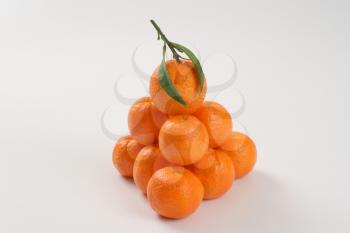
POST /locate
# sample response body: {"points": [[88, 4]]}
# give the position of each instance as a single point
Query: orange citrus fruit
{"points": [[147, 162], [174, 192], [183, 140], [241, 149], [216, 172], [185, 78], [144, 121], [217, 120], [124, 153], [134, 148]]}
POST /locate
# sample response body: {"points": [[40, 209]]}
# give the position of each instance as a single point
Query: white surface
{"points": [[58, 64]]}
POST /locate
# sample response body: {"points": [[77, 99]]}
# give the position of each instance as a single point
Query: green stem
{"points": [[166, 41]]}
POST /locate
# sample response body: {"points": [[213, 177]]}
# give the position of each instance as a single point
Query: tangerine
{"points": [[174, 192], [144, 121], [216, 172], [147, 162], [185, 78], [183, 140], [124, 153], [241, 149], [217, 120]]}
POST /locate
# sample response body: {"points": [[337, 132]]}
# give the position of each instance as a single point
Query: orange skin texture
{"points": [[241, 149], [185, 78], [134, 148], [217, 120], [183, 140], [123, 156], [148, 161], [144, 121], [216, 172], [174, 192]]}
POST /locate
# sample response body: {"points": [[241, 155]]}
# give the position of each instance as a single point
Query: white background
{"points": [[59, 61]]}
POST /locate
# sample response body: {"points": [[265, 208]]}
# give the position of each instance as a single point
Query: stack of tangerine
{"points": [[178, 154]]}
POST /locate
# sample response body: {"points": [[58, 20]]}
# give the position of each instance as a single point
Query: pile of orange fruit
{"points": [[179, 154]]}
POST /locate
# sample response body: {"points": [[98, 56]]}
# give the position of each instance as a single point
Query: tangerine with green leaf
{"points": [[185, 79], [177, 86]]}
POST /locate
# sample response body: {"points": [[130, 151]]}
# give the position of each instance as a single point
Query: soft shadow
{"points": [[131, 200], [256, 203], [128, 180]]}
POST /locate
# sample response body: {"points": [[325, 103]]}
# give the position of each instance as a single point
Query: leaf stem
{"points": [[166, 41]]}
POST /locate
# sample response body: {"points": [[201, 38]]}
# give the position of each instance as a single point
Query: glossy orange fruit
{"points": [[241, 149], [174, 192], [147, 162], [144, 121], [217, 120], [183, 140], [124, 153], [184, 77], [216, 172]]}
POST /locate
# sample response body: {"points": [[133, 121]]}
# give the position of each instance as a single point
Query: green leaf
{"points": [[194, 60], [166, 83]]}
